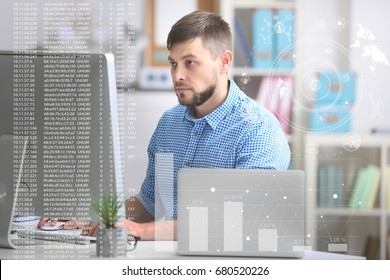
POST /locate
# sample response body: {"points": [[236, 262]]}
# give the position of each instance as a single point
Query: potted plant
{"points": [[110, 240]]}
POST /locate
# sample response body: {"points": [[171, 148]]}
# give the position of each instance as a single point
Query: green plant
{"points": [[107, 207]]}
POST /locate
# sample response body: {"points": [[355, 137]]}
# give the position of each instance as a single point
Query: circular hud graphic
{"points": [[326, 94]]}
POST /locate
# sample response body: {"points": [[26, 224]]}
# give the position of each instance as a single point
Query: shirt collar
{"points": [[219, 114]]}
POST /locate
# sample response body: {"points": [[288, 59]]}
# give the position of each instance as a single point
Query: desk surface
{"points": [[147, 250]]}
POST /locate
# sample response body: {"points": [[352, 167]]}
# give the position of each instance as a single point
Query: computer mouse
{"points": [[57, 226]]}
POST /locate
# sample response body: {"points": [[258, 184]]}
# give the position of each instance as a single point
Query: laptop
{"points": [[237, 212]]}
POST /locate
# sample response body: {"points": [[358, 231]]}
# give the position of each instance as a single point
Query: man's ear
{"points": [[226, 61]]}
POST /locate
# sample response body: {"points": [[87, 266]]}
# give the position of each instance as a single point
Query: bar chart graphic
{"points": [[241, 214]]}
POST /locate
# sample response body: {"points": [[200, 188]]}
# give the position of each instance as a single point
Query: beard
{"points": [[202, 97], [199, 97]]}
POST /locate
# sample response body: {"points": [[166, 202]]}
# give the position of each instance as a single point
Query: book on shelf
{"points": [[275, 94], [371, 250], [263, 38], [387, 178], [357, 188], [243, 52], [388, 246], [365, 188], [337, 184], [322, 185], [273, 38], [372, 187], [284, 38], [268, 95], [330, 182], [285, 92], [264, 92]]}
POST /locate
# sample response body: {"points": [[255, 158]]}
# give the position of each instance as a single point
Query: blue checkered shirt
{"points": [[239, 134]]}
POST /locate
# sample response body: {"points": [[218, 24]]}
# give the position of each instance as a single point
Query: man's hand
{"points": [[45, 220], [88, 228], [132, 227], [160, 230]]}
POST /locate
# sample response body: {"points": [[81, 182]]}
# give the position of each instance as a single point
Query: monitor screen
{"points": [[67, 106]]}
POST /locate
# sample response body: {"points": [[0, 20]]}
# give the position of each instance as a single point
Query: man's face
{"points": [[194, 72]]}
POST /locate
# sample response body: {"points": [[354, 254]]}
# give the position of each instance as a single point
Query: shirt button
{"points": [[196, 134], [187, 163]]}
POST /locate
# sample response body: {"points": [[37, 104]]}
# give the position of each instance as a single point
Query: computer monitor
{"points": [[9, 185], [67, 106]]}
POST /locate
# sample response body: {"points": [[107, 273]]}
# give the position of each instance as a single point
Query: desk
{"points": [[146, 250]]}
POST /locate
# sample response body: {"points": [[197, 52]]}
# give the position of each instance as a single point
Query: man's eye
{"points": [[190, 62], [173, 64]]}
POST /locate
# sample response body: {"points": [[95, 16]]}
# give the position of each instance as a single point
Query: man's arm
{"points": [[140, 223], [160, 230], [136, 212]]}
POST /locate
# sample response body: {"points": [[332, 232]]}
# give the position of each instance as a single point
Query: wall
{"points": [[370, 36]]}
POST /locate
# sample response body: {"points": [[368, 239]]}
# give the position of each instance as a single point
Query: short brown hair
{"points": [[211, 28]]}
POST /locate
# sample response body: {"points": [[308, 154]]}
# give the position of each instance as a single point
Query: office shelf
{"points": [[348, 212], [355, 224], [237, 71]]}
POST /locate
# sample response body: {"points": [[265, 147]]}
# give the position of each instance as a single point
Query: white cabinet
{"points": [[342, 228]]}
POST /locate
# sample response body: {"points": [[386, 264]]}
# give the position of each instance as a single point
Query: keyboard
{"points": [[62, 235]]}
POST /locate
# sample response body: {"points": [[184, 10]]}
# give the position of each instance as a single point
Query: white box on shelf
{"points": [[158, 78]]}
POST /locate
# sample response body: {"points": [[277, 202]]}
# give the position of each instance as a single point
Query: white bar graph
{"points": [[232, 226], [200, 240], [268, 240], [198, 229], [299, 248], [164, 206], [337, 247], [163, 186]]}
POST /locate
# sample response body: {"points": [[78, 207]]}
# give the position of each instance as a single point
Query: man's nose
{"points": [[178, 74]]}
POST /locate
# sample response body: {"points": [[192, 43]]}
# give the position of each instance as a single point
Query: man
{"points": [[215, 125]]}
